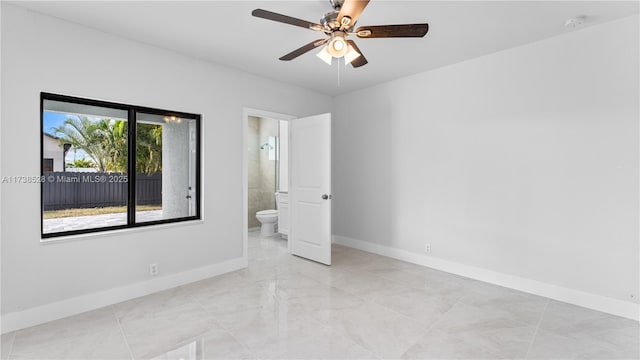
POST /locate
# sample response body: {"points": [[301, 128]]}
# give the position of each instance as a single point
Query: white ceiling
{"points": [[224, 32]]}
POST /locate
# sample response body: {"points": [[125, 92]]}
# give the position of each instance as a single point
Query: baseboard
{"points": [[588, 300], [58, 310]]}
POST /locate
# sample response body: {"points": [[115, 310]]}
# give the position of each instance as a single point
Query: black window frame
{"points": [[132, 110]]}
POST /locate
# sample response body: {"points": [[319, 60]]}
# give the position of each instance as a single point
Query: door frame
{"points": [[246, 112]]}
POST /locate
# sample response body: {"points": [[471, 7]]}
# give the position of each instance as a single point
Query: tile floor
{"points": [[362, 307]]}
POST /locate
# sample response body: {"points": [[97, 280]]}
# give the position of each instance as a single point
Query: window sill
{"points": [[110, 233]]}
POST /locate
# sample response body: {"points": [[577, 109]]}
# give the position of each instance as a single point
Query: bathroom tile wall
{"points": [[253, 158], [268, 128], [262, 171]]}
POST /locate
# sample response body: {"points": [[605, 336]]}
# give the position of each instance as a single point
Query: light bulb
{"points": [[337, 46]]}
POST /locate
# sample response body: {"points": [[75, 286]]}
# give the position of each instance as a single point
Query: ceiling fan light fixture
{"points": [[338, 25], [337, 47], [351, 54], [324, 55]]}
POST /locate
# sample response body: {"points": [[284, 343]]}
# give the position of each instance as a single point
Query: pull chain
{"points": [[338, 72]]}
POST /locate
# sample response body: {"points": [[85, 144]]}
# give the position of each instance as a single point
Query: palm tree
{"points": [[86, 134], [81, 163], [114, 134], [148, 148], [105, 142]]}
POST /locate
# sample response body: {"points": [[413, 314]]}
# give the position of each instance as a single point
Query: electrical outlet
{"points": [[153, 269], [427, 248]]}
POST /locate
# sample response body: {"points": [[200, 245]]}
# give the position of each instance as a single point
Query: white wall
{"points": [[52, 149], [175, 169], [41, 53], [283, 167], [524, 162]]}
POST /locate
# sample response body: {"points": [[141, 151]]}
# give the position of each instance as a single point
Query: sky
{"points": [[52, 120]]}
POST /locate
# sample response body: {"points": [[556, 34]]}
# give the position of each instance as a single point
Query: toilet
{"points": [[268, 219]]}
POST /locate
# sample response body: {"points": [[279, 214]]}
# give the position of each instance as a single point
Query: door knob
{"points": [[325, 196]]}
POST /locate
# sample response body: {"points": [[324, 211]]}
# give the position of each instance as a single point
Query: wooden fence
{"points": [[71, 190]]}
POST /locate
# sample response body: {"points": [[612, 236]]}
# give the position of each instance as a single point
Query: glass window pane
{"points": [[86, 158], [165, 167], [84, 166]]}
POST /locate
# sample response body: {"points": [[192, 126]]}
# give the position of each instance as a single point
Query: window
{"points": [[110, 166], [47, 164]]}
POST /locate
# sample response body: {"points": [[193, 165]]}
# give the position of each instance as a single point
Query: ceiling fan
{"points": [[338, 25]]}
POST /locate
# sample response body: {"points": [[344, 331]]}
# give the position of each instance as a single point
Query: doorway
{"points": [[252, 142], [299, 177]]}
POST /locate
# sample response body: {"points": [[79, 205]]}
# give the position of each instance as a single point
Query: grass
{"points": [[55, 214]]}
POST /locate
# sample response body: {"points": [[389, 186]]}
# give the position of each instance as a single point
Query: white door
{"points": [[310, 188]]}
